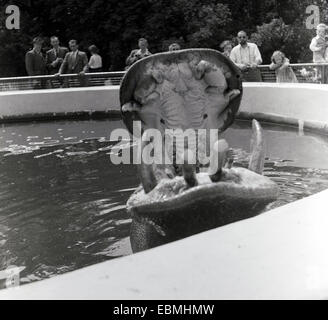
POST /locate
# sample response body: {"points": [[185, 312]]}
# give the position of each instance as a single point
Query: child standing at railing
{"points": [[319, 44], [281, 65]]}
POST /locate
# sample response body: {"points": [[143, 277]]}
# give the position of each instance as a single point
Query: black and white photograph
{"points": [[170, 151]]}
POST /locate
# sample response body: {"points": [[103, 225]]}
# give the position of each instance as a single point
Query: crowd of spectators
{"points": [[59, 60], [246, 56]]}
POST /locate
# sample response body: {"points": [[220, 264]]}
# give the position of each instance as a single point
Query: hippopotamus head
{"points": [[195, 88], [198, 89]]}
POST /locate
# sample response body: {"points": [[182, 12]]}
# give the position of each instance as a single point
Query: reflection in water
{"points": [[63, 201]]}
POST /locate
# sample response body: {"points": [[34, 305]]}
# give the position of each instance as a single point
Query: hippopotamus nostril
{"points": [[205, 116]]}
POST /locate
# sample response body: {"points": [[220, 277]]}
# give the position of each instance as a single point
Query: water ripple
{"points": [[63, 203]]}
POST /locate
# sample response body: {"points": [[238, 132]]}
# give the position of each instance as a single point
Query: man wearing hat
{"points": [[34, 61]]}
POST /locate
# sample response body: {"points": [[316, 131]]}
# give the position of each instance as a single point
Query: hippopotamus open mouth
{"points": [[198, 89]]}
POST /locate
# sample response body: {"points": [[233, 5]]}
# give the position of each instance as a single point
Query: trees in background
{"points": [[115, 26], [293, 40]]}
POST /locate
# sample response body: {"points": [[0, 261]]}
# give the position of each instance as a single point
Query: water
{"points": [[63, 201], [298, 163]]}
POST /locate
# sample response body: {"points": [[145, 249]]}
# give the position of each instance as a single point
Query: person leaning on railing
{"points": [[75, 62], [280, 64], [247, 58]]}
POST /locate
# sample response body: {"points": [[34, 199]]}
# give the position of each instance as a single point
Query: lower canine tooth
{"points": [[147, 177], [189, 169], [218, 159], [146, 171]]}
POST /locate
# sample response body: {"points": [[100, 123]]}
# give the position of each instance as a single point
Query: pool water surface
{"points": [[63, 201]]}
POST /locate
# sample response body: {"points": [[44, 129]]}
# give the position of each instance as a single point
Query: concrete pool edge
{"points": [[297, 105], [289, 105], [311, 126], [278, 255], [58, 104]]}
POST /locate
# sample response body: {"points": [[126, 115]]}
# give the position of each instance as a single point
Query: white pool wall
{"points": [[301, 101], [307, 102], [24, 104]]}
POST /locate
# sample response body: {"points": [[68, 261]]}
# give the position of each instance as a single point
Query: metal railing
{"points": [[305, 73], [64, 81]]}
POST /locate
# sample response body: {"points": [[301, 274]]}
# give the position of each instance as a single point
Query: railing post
{"points": [[324, 79]]}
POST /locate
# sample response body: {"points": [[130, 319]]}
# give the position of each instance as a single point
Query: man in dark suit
{"points": [[35, 63], [34, 60], [55, 56], [75, 62]]}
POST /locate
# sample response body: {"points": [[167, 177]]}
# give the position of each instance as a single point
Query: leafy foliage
{"points": [[115, 26], [292, 40]]}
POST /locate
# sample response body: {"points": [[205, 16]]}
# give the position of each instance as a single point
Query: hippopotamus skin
{"points": [[170, 226], [197, 89], [241, 195]]}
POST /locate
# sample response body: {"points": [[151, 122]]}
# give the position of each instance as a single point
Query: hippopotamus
{"points": [[199, 90]]}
